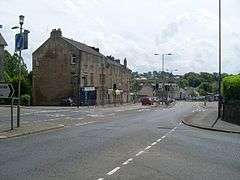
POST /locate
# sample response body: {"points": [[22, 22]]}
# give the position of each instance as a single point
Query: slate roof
{"points": [[86, 48], [2, 41], [83, 47]]}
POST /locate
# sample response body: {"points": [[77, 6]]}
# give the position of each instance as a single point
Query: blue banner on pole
{"points": [[21, 41]]}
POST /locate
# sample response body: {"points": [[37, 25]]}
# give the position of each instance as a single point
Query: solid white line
{"points": [[159, 140], [113, 171], [100, 179], [128, 161], [163, 137], [148, 147], [153, 143]]}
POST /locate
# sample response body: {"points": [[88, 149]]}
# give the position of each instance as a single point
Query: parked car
{"points": [[146, 101]]}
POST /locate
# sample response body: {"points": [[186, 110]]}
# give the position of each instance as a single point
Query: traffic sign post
{"points": [[7, 92]]}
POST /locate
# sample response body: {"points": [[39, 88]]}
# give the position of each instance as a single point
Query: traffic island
{"points": [[205, 120], [30, 128]]}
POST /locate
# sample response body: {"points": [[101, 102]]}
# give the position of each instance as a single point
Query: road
{"points": [[136, 144]]}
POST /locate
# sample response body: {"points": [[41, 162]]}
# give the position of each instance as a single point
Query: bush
{"points": [[231, 88], [25, 100]]}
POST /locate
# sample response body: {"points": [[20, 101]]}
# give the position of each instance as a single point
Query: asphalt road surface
{"points": [[138, 144]]}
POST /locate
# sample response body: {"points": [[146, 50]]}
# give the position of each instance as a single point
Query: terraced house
{"points": [[64, 68]]}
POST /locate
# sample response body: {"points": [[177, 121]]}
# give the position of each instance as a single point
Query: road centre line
{"points": [[139, 153], [148, 147], [128, 161], [154, 143], [113, 171]]}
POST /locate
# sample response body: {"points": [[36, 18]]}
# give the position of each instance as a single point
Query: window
{"points": [[37, 62], [102, 79], [85, 83], [91, 79], [73, 59]]}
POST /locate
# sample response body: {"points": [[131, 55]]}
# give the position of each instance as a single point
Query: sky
{"points": [[135, 29]]}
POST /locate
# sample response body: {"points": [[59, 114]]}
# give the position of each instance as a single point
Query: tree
{"points": [[205, 88], [193, 79], [183, 83], [206, 77], [11, 73]]}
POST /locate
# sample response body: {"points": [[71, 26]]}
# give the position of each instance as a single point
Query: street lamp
{"points": [[163, 59], [21, 21]]}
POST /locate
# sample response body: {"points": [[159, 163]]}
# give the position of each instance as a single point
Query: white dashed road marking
{"points": [[140, 152], [148, 147], [128, 161], [82, 124], [153, 143], [113, 171]]}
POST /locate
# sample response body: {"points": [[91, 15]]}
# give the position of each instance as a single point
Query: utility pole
{"points": [[220, 62]]}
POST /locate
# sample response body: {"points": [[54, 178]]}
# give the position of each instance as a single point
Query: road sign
{"points": [[6, 90]]}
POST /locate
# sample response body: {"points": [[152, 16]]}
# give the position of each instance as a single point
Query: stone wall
{"points": [[231, 112], [55, 76]]}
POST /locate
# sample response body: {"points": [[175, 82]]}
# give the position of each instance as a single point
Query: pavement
{"points": [[138, 144], [30, 128], [205, 117], [40, 119]]}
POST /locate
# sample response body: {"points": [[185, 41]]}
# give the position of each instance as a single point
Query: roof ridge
{"points": [[83, 47]]}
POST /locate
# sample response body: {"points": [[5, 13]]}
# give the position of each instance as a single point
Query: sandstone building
{"points": [[65, 68]]}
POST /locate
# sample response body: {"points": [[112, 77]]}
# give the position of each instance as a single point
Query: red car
{"points": [[146, 101]]}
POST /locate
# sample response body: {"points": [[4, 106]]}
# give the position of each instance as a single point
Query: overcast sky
{"points": [[135, 29]]}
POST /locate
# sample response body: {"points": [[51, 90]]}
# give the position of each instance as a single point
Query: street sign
{"points": [[89, 88], [6, 90]]}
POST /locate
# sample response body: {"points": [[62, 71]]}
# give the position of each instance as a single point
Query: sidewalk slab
{"points": [[30, 128], [206, 119]]}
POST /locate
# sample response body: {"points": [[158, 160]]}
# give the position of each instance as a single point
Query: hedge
{"points": [[25, 100], [231, 87]]}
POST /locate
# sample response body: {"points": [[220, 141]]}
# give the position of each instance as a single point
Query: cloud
{"points": [[135, 29]]}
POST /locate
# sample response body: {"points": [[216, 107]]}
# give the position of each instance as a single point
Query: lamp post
{"points": [[220, 62], [163, 63], [21, 21]]}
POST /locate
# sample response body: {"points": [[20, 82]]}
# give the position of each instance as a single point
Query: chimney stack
{"points": [[125, 62], [56, 33]]}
